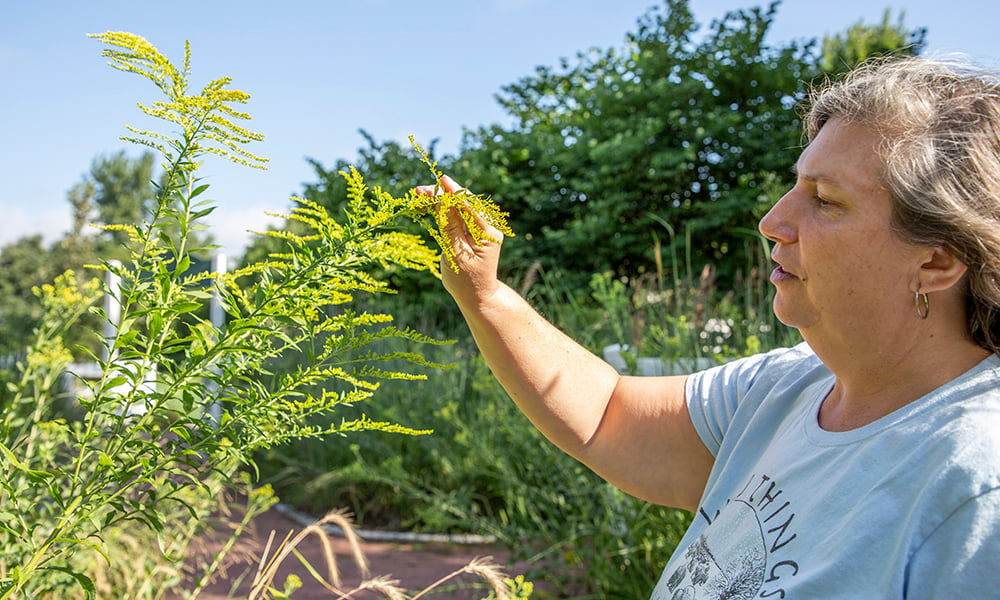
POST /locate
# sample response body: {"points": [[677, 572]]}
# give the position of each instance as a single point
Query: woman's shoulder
{"points": [[959, 430], [776, 378], [798, 362], [968, 406]]}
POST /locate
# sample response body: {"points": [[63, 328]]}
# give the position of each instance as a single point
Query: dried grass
{"points": [[481, 567]]}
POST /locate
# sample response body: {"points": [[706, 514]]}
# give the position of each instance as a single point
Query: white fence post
{"points": [[217, 315], [112, 309]]}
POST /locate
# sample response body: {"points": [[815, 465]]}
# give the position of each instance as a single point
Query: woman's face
{"points": [[841, 270]]}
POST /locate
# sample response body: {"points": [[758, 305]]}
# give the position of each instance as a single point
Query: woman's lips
{"points": [[779, 274]]}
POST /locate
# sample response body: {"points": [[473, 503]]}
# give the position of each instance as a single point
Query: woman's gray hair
{"points": [[940, 122]]}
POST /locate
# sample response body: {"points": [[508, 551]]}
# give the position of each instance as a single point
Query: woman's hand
{"points": [[477, 263]]}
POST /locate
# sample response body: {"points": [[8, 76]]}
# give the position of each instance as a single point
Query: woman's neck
{"points": [[876, 379]]}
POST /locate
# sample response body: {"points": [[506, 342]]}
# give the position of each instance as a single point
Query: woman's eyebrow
{"points": [[815, 177]]}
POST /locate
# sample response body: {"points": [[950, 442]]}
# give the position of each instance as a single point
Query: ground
{"points": [[415, 566]]}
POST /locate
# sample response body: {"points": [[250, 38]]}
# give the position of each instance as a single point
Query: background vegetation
{"points": [[634, 177]]}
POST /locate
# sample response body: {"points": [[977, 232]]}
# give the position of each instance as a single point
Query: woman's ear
{"points": [[940, 270]]}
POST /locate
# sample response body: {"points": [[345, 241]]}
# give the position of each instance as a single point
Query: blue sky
{"points": [[318, 71]]}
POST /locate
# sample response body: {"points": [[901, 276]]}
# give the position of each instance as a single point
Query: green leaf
{"points": [[114, 382], [97, 547], [203, 213], [104, 462], [13, 460], [183, 265], [126, 338], [166, 239], [85, 582], [155, 323], [56, 494], [186, 307], [198, 191], [36, 476]]}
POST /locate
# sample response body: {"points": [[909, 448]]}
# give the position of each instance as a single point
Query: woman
{"points": [[865, 462]]}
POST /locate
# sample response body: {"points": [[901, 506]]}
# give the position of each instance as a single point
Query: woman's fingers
{"points": [[475, 258], [450, 185], [446, 184], [456, 227]]}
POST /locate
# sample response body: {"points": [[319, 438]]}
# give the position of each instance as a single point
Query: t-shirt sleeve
{"points": [[960, 558], [714, 395]]}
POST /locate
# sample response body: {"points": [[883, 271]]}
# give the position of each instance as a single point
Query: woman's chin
{"points": [[790, 314]]}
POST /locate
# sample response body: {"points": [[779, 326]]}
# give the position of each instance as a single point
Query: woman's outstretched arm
{"points": [[635, 432]]}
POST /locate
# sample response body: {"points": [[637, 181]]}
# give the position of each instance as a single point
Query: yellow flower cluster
{"points": [[65, 294], [469, 206], [203, 117]]}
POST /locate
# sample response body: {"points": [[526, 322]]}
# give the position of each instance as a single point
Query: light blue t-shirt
{"points": [[905, 507]]}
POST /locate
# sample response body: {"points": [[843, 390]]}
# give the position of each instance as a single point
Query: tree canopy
{"points": [[674, 137], [648, 159], [666, 150]]}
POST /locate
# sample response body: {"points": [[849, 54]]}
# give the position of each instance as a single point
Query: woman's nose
{"points": [[777, 223]]}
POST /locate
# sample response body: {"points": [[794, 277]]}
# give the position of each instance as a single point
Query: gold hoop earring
{"points": [[921, 299]]}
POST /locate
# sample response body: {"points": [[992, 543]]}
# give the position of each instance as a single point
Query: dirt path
{"points": [[414, 565]]}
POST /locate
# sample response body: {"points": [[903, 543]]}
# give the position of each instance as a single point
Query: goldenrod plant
{"points": [[181, 403]]}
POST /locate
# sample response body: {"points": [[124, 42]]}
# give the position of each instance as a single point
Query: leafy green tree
{"points": [[123, 192], [627, 147], [79, 241], [844, 51], [24, 264], [665, 152], [117, 189]]}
